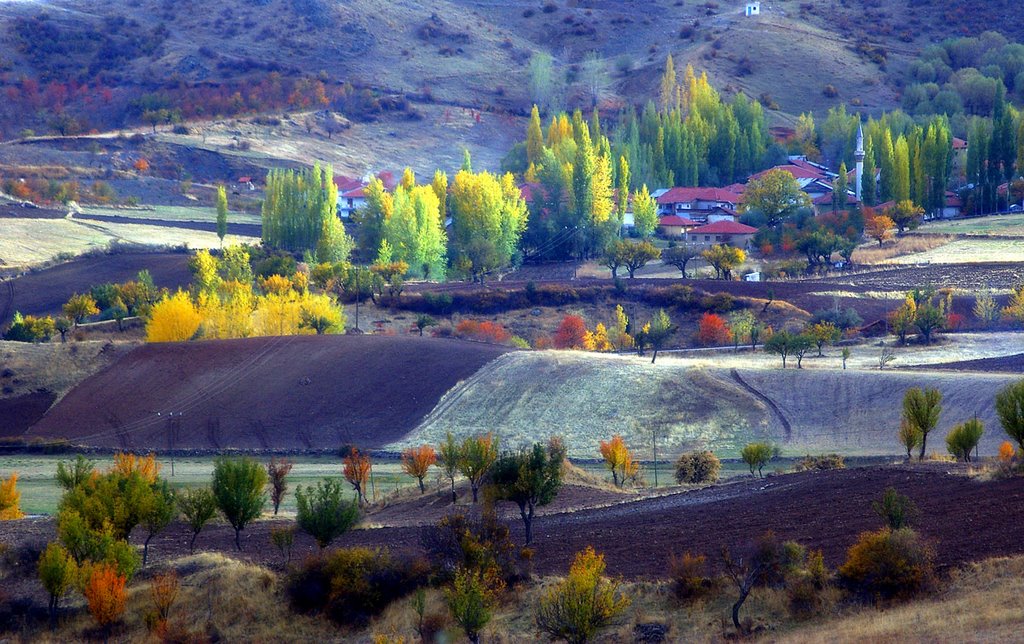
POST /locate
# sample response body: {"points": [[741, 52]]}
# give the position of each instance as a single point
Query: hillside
{"points": [[299, 392], [467, 53], [587, 398]]}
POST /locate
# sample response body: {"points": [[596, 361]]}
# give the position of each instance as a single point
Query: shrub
{"points": [[571, 333], [895, 509], [104, 591], [29, 328], [822, 463], [352, 585], [283, 538], [584, 603], [470, 597], [712, 330], [483, 331], [478, 544], [757, 455], [892, 564], [163, 591], [1010, 409], [323, 513], [1006, 452], [718, 302], [689, 576], [238, 489], [698, 467], [10, 498], [277, 472]]}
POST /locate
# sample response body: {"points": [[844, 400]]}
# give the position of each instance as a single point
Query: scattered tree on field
{"points": [[712, 330], [783, 344], [879, 227], [448, 456], [58, 572], [724, 259], [1010, 409], [10, 498], [197, 506], [62, 325], [895, 509], [529, 478], [680, 256], [283, 538], [79, 307], [238, 485], [476, 456], [584, 603], [571, 333], [158, 513], [657, 332], [619, 460], [824, 333], [416, 462], [757, 455], [921, 411], [356, 469], [905, 215], [697, 467], [277, 473], [964, 438], [985, 308], [222, 214], [423, 321], [323, 512], [909, 437]]}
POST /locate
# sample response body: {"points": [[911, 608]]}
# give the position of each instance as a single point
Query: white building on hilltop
{"points": [[753, 8]]}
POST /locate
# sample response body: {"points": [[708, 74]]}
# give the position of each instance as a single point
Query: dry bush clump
{"points": [[909, 245]]}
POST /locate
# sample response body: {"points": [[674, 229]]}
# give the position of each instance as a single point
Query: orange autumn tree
{"points": [[416, 461], [1006, 454], [619, 460], [10, 498], [712, 330], [879, 226], [571, 334], [105, 593], [126, 464], [357, 472]]}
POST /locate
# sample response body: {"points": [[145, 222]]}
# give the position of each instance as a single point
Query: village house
{"points": [[696, 203], [352, 192], [722, 232], [675, 226]]}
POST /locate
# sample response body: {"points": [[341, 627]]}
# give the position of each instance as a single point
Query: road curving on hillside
{"points": [[587, 397], [278, 393]]}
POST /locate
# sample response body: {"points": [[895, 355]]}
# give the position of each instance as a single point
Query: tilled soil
{"points": [[44, 292], [297, 392], [1009, 364], [964, 519]]}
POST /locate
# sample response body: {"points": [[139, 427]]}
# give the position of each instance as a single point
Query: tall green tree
{"points": [[901, 170], [296, 205], [921, 409], [238, 485], [645, 212], [868, 186], [529, 478]]}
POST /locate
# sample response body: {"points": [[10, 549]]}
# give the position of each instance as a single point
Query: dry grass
{"points": [[910, 245], [54, 366], [982, 603]]}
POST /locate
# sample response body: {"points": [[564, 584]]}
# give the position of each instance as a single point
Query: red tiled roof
{"points": [[952, 200], [346, 183], [810, 167], [685, 195], [356, 193], [725, 228], [244, 179], [676, 220], [826, 199], [959, 144]]}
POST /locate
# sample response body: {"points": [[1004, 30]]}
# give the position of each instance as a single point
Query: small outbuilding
{"points": [[753, 8]]}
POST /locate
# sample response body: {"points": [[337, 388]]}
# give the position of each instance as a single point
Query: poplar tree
{"points": [[668, 85], [534, 137], [867, 182], [886, 154], [839, 188], [296, 205], [901, 170], [622, 196]]}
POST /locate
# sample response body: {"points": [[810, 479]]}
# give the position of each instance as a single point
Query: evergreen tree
{"points": [[839, 189]]}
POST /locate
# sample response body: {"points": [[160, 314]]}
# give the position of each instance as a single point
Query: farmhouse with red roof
{"points": [[722, 232], [696, 203]]}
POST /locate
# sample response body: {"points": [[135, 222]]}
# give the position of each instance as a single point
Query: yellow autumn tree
{"points": [[598, 340], [146, 467], [619, 460], [173, 319], [320, 314], [228, 312], [620, 339], [10, 498]]}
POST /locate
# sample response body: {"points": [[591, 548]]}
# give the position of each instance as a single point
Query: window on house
{"points": [[707, 237]]}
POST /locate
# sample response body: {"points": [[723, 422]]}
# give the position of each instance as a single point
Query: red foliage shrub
{"points": [[485, 331], [571, 333], [712, 330], [954, 321]]}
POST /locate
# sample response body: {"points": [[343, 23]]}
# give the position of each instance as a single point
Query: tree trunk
{"points": [[192, 543], [744, 591], [655, 356], [475, 488], [527, 521], [924, 445], [145, 550], [238, 540], [423, 490], [455, 499]]}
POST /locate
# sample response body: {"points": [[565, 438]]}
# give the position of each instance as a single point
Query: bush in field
{"points": [[29, 328], [283, 538], [757, 455], [352, 585], [698, 467], [584, 603], [237, 487], [689, 575], [892, 564], [10, 498], [484, 331], [571, 333], [324, 513], [105, 594], [964, 438], [173, 319], [712, 330], [821, 463], [471, 597], [483, 544], [895, 509]]}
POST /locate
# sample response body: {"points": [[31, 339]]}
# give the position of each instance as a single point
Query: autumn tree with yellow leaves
{"points": [[619, 460]]}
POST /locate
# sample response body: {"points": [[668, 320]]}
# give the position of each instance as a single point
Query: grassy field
{"points": [[24, 242], [967, 251], [1004, 225]]}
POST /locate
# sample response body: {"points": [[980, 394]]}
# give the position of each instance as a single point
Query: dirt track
{"points": [[43, 292], [300, 392], [964, 519]]}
